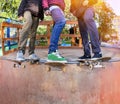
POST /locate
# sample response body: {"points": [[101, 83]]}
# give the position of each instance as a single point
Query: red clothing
{"points": [[47, 3]]}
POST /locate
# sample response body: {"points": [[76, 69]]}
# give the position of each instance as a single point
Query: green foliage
{"points": [[8, 8], [68, 15], [41, 30], [104, 17]]}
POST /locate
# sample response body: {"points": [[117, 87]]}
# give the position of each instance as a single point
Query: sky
{"points": [[115, 5]]}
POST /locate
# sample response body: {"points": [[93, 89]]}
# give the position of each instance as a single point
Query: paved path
{"points": [[78, 85]]}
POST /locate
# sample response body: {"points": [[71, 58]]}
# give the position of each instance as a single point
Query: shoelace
{"points": [[34, 55], [57, 53]]}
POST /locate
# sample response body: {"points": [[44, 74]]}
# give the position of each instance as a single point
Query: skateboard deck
{"points": [[17, 63], [95, 62], [60, 66], [56, 66]]}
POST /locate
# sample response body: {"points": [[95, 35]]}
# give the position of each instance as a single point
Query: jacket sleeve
{"points": [[92, 2], [21, 8], [45, 4], [72, 6]]}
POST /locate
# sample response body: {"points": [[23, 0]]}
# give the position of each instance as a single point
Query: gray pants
{"points": [[89, 32], [28, 31]]}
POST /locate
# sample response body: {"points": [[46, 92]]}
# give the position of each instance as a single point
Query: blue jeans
{"points": [[89, 32], [59, 23]]}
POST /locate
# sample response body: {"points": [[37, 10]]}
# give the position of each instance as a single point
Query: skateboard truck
{"points": [[18, 65], [33, 61], [94, 63]]}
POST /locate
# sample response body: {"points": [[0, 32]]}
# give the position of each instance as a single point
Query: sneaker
{"points": [[85, 57], [97, 55], [33, 57], [55, 56], [20, 56]]}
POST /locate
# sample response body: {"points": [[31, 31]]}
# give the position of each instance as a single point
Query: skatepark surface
{"points": [[78, 85]]}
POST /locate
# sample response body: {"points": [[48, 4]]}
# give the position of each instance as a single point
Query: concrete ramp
{"points": [[78, 85]]}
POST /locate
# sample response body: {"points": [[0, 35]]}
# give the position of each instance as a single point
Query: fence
{"points": [[72, 35]]}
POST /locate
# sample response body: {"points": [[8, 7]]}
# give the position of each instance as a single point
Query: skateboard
{"points": [[94, 63], [56, 66], [59, 66], [18, 63]]}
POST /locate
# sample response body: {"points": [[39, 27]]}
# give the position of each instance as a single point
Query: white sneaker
{"points": [[20, 56], [58, 54], [33, 57]]}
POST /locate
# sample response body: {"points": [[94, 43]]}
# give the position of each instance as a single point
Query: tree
{"points": [[68, 15], [104, 17], [8, 8]]}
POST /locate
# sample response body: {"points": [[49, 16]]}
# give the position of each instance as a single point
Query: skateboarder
{"points": [[55, 9], [83, 10], [30, 11]]}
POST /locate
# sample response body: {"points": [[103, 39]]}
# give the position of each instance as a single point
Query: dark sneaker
{"points": [[85, 57], [97, 55]]}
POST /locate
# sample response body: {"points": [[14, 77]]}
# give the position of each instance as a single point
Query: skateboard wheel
{"points": [[49, 69], [31, 62], [91, 67], [81, 64], [37, 62], [64, 69], [23, 66], [14, 65]]}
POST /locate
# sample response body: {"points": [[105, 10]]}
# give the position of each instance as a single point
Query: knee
{"points": [[87, 19], [26, 28], [61, 22]]}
